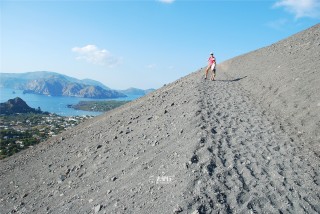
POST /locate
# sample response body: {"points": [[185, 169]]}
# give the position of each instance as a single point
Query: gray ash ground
{"points": [[193, 146]]}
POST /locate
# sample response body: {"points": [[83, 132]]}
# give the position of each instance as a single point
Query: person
{"points": [[211, 66]]}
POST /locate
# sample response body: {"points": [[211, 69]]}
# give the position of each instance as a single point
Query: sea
{"points": [[53, 104]]}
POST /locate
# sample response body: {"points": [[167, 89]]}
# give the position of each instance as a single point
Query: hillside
{"points": [[285, 78], [16, 105], [193, 146]]}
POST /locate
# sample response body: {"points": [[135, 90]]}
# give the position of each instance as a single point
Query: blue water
{"points": [[52, 104]]}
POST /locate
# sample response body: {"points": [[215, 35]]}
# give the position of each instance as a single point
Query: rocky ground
{"points": [[193, 146]]}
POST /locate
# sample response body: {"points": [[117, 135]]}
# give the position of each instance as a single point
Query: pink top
{"points": [[211, 60]]}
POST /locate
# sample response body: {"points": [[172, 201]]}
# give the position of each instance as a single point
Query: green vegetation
{"points": [[100, 106], [21, 131], [13, 141]]}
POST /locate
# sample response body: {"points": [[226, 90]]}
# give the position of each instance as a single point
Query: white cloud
{"points": [[151, 66], [301, 8], [94, 55], [166, 1]]}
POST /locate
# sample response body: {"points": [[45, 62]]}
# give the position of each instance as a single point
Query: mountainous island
{"points": [[20, 80], [55, 84], [245, 143]]}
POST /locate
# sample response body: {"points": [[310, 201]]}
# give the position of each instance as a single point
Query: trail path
{"points": [[247, 163]]}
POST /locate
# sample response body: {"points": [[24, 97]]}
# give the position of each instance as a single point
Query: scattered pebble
{"points": [[97, 208], [178, 209]]}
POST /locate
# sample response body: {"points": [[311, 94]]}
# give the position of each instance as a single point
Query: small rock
{"points": [[99, 146], [68, 171], [165, 111], [97, 208], [114, 178], [202, 140], [109, 191], [61, 178], [178, 209], [277, 148], [194, 159]]}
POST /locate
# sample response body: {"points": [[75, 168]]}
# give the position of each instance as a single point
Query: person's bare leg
{"points": [[212, 77], [213, 74], [206, 73]]}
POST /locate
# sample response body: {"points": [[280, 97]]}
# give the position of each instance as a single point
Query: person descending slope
{"points": [[211, 66]]}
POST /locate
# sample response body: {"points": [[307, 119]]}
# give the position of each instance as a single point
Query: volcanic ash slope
{"points": [[285, 78], [193, 146]]}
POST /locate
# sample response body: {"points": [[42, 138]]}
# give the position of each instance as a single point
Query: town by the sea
{"points": [[52, 104]]}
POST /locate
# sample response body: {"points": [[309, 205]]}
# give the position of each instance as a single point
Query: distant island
{"points": [[55, 84], [60, 86], [100, 106], [20, 80]]}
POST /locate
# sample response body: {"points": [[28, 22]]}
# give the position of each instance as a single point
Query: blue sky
{"points": [[142, 44]]}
